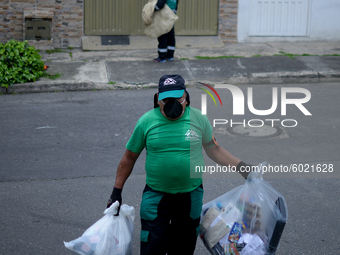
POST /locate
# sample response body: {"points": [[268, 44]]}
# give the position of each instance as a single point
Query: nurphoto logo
{"points": [[239, 104]]}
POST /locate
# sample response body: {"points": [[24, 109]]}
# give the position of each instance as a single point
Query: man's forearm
{"points": [[222, 156], [124, 168], [225, 158]]}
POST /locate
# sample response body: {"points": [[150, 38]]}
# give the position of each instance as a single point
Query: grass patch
{"points": [[51, 76], [219, 57], [308, 55], [332, 55], [292, 56], [56, 50], [256, 56], [111, 82], [183, 58]]}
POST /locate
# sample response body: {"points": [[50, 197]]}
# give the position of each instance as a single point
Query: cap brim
{"points": [[171, 93]]}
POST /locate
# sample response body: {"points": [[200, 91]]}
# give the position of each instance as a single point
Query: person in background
{"points": [[173, 134], [166, 42]]}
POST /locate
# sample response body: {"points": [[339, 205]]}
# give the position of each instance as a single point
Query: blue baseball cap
{"points": [[171, 86]]}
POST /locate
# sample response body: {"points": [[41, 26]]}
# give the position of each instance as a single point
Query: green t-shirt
{"points": [[173, 149]]}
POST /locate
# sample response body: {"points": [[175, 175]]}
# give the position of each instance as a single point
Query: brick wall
{"points": [[67, 20], [228, 20]]}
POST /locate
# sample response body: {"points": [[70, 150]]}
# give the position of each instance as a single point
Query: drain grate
{"points": [[115, 40]]}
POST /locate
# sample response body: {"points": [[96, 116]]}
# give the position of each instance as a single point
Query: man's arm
{"points": [[125, 168], [225, 158]]}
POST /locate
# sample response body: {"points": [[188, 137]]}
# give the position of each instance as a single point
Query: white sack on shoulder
{"points": [[147, 12], [162, 21]]}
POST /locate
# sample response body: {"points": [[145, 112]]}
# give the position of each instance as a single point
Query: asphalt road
{"points": [[59, 152]]}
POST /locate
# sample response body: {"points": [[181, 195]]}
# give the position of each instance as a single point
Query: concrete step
{"points": [[144, 42]]}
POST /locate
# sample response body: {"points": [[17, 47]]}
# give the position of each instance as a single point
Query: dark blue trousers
{"points": [[166, 45]]}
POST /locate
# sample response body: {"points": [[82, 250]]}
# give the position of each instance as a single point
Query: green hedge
{"points": [[19, 63]]}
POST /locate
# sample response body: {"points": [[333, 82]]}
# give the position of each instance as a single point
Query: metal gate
{"points": [[279, 18], [123, 17], [197, 17]]}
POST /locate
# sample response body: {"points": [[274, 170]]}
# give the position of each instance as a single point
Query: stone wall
{"points": [[67, 20], [228, 20]]}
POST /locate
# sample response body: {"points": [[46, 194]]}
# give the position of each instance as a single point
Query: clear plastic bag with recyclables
{"points": [[248, 220], [109, 235]]}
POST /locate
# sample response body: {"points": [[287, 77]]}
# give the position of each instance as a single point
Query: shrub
{"points": [[19, 63]]}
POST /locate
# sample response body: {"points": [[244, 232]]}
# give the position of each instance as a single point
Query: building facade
{"points": [[62, 23]]}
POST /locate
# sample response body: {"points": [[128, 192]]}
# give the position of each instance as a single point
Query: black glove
{"points": [[115, 196], [246, 169]]}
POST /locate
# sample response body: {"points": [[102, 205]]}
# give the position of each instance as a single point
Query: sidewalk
{"points": [[255, 63]]}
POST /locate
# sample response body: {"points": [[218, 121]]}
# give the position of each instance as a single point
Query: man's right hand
{"points": [[115, 196]]}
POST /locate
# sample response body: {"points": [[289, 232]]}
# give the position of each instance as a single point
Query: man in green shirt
{"points": [[173, 135]]}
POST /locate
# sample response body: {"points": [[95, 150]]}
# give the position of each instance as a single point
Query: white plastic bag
{"points": [[255, 214], [109, 235]]}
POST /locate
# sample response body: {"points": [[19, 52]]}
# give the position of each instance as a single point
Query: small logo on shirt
{"points": [[169, 81], [191, 135]]}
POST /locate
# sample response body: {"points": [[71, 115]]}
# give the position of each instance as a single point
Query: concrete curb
{"points": [[255, 78], [329, 76], [63, 86], [285, 77]]}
